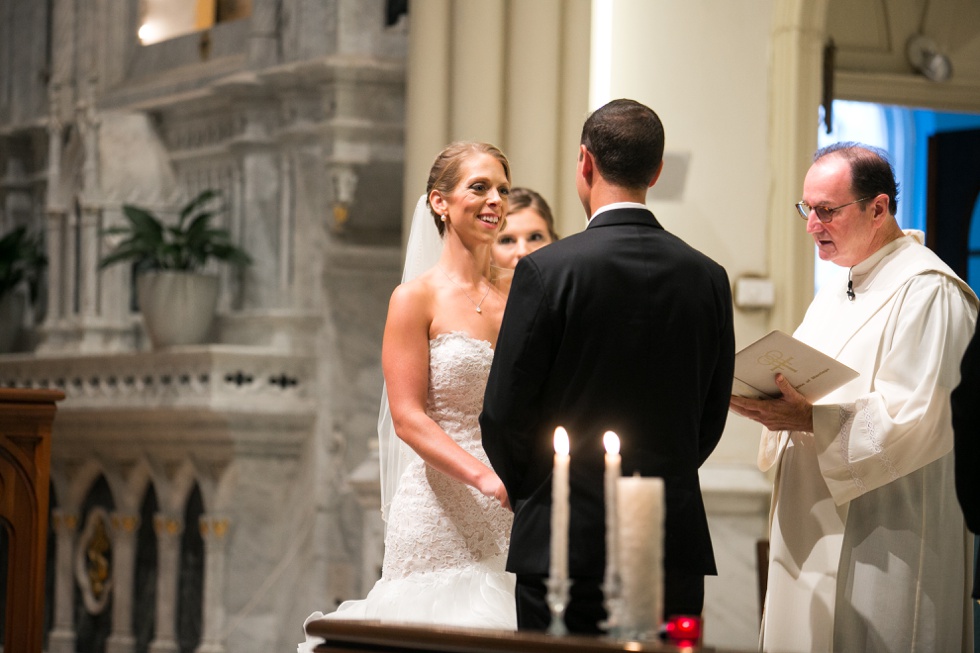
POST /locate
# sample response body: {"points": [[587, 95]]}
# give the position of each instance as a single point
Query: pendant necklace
{"points": [[478, 309]]}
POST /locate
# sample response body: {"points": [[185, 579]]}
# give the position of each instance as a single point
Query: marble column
{"points": [[263, 41], [168, 530], [426, 97], [260, 219], [796, 59], [471, 116], [64, 50], [230, 279], [88, 263], [214, 530], [62, 636], [89, 124], [56, 219], [55, 227], [124, 529], [547, 100], [364, 481], [532, 130], [538, 69]]}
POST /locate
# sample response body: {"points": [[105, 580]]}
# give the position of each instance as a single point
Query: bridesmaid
{"points": [[529, 226]]}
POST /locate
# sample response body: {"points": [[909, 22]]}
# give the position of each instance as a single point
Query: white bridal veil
{"points": [[421, 254]]}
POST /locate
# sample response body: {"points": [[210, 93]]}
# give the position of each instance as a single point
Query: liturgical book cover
{"points": [[811, 372]]}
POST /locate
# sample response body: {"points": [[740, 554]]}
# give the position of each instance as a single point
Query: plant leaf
{"points": [[202, 198], [188, 245]]}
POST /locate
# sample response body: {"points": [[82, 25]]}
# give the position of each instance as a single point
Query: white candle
{"points": [[613, 466], [559, 508], [641, 542]]}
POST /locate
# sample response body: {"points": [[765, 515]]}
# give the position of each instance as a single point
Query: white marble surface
{"points": [[737, 501], [271, 417]]}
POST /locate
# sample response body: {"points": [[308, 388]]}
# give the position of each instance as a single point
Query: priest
{"points": [[868, 548]]}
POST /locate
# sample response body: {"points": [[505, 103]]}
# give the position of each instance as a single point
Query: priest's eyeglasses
{"points": [[824, 213]]}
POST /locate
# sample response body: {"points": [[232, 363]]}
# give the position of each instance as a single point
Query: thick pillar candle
{"points": [[613, 471], [641, 531], [559, 508]]}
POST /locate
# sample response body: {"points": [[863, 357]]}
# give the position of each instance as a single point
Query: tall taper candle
{"points": [[613, 466], [559, 508], [641, 520]]}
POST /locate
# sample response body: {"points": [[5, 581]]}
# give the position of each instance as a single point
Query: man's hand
{"points": [[790, 412]]}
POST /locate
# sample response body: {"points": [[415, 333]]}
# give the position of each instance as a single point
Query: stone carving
{"points": [[93, 561]]}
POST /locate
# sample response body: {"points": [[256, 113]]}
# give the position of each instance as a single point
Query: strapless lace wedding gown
{"points": [[445, 544]]}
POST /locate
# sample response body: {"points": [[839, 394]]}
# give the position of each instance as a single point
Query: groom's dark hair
{"points": [[626, 140]]}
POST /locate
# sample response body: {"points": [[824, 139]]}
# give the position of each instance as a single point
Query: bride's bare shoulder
{"points": [[417, 295]]}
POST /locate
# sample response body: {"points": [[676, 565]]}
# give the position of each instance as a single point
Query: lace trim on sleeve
{"points": [[861, 411], [864, 407], [846, 413]]}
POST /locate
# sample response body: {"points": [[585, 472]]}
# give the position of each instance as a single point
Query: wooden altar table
{"points": [[376, 637]]}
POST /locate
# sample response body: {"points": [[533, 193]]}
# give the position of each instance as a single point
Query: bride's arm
{"points": [[405, 360]]}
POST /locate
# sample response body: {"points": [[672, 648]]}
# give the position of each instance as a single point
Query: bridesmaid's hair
{"points": [[525, 198], [444, 175]]}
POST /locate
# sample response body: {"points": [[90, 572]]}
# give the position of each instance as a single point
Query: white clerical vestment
{"points": [[868, 547]]}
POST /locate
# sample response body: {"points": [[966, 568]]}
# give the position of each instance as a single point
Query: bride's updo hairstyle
{"points": [[444, 175]]}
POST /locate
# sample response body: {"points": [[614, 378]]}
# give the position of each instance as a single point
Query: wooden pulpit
{"points": [[25, 463]]}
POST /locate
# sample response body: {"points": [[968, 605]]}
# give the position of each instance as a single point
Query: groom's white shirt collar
{"points": [[616, 205]]}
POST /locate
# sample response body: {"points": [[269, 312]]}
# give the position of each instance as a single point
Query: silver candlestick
{"points": [[559, 590], [612, 601]]}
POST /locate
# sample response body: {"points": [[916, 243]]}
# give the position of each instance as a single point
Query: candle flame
{"points": [[561, 441], [611, 442]]}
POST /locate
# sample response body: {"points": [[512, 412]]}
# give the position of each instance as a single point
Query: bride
{"points": [[446, 511]]}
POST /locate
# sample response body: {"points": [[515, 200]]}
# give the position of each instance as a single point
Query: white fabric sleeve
{"points": [[903, 423]]}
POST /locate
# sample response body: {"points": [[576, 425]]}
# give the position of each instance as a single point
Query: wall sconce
{"points": [[343, 183], [752, 292], [926, 58]]}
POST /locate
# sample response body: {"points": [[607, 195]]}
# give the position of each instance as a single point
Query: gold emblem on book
{"points": [[776, 362]]}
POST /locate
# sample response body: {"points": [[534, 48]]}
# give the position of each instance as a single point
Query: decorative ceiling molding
{"points": [[911, 90]]}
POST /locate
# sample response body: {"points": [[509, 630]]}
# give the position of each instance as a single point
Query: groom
{"points": [[622, 327]]}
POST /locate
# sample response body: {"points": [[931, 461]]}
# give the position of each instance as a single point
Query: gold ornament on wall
{"points": [[93, 561], [342, 182]]}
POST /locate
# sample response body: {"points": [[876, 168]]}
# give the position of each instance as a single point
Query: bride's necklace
{"points": [[477, 305]]}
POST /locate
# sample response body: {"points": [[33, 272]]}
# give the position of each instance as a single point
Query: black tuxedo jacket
{"points": [[966, 433], [622, 327], [966, 441]]}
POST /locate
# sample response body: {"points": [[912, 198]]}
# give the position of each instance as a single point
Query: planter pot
{"points": [[178, 307], [13, 305]]}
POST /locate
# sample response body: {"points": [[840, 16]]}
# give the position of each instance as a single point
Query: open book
{"points": [[811, 372]]}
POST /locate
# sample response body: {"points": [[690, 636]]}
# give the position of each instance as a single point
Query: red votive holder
{"points": [[683, 630]]}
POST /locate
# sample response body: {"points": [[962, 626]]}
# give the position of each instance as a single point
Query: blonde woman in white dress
{"points": [[446, 512]]}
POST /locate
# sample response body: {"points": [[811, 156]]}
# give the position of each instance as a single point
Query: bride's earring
{"points": [[442, 217]]}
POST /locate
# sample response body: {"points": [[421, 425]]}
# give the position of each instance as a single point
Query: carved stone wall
{"points": [[296, 114]]}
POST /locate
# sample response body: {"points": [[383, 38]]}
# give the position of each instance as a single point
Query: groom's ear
{"points": [[586, 164], [656, 175]]}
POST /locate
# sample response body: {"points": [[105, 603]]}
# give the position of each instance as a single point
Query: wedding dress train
{"points": [[445, 543]]}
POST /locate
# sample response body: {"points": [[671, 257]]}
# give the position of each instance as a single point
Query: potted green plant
{"points": [[176, 298], [22, 264]]}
